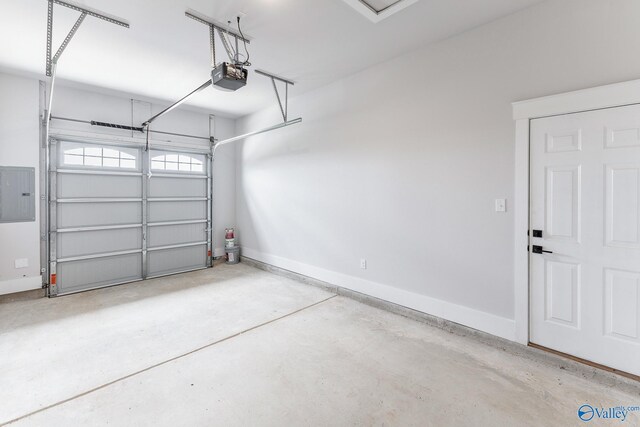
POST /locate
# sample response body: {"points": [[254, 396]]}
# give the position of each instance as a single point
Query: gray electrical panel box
{"points": [[17, 194]]}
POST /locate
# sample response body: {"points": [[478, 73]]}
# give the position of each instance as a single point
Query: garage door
{"points": [[119, 213]]}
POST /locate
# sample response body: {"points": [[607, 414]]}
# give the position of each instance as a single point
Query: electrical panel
{"points": [[17, 194]]}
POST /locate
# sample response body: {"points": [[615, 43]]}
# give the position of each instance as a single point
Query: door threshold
{"points": [[586, 362]]}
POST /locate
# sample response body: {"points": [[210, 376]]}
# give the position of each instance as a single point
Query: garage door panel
{"points": [[177, 187], [177, 211], [98, 242], [98, 214], [92, 273], [176, 234], [77, 186], [174, 260]]}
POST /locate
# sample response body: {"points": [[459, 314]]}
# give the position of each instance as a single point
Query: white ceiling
{"points": [[165, 55]]}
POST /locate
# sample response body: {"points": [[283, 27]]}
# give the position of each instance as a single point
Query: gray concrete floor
{"points": [[240, 346]]}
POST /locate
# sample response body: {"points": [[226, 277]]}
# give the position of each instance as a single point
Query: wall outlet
{"points": [[501, 205], [363, 264], [21, 263]]}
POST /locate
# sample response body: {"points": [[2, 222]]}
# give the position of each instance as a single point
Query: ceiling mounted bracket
{"points": [[284, 109], [223, 33], [225, 42], [212, 45], [67, 39], [84, 12]]}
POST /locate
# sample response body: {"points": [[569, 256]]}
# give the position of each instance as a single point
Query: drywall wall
{"points": [[401, 164], [19, 139], [19, 136]]}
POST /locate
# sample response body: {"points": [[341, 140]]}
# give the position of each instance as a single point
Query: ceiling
{"points": [[165, 55]]}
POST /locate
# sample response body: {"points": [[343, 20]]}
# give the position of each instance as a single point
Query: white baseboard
{"points": [[21, 284], [218, 252], [476, 319]]}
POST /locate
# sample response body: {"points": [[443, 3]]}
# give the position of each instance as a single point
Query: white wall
{"points": [[401, 163], [19, 139]]}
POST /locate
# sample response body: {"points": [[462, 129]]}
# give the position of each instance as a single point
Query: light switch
{"points": [[21, 263], [501, 205]]}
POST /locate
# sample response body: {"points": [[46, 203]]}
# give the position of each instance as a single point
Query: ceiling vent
{"points": [[377, 10]]}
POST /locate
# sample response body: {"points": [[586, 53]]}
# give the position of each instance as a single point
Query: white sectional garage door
{"points": [[120, 213]]}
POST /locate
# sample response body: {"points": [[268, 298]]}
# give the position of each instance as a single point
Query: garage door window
{"points": [[178, 163], [98, 157]]}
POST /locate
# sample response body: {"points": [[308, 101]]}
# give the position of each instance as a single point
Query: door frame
{"points": [[596, 98]]}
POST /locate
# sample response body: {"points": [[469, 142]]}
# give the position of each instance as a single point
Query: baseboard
{"points": [[21, 284], [589, 373], [476, 319]]}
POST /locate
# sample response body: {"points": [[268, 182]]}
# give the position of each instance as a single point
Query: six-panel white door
{"points": [[585, 199]]}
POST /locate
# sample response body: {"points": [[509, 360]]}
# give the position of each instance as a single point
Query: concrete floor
{"points": [[240, 346]]}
